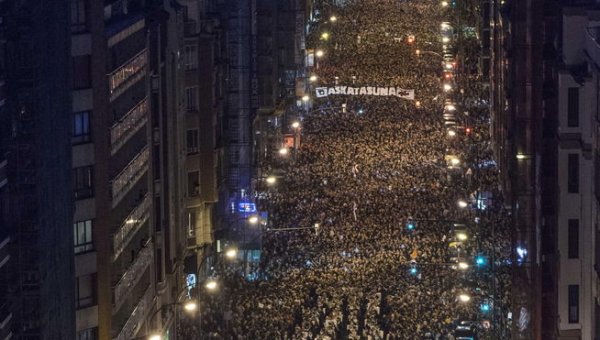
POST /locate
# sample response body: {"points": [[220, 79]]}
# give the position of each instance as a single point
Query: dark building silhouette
{"points": [[36, 180]]}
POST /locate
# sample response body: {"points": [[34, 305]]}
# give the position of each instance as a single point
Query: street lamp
{"points": [[271, 180], [333, 18], [447, 87], [462, 204], [463, 266], [319, 53], [295, 125], [231, 253], [444, 3], [305, 98], [313, 78], [155, 337], [211, 284], [283, 151], [325, 36], [190, 306], [253, 219], [455, 162], [464, 298], [451, 133], [461, 236]]}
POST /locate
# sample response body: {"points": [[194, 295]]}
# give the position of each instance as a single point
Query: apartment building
{"points": [[36, 246], [128, 166], [543, 77]]}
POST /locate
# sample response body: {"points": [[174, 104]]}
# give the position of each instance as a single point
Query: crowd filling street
{"points": [[395, 227]]}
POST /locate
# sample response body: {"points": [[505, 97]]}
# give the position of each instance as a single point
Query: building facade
{"points": [[37, 268], [128, 166], [543, 81]]}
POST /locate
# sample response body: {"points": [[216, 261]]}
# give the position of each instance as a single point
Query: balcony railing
{"points": [[132, 275], [129, 176], [136, 319], [128, 125], [134, 221], [128, 74], [591, 44]]}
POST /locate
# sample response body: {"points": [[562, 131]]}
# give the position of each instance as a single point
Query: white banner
{"points": [[365, 90]]}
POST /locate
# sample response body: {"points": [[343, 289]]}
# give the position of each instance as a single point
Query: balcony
{"points": [[129, 176], [591, 44], [4, 255], [134, 221], [136, 320], [5, 320], [127, 74], [2, 92], [3, 173], [132, 275], [128, 125]]}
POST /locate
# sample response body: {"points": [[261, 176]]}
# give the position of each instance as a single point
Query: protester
{"points": [[372, 190]]}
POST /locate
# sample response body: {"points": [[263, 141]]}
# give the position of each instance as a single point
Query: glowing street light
{"points": [[325, 36], [253, 219], [448, 66], [445, 39], [333, 18], [451, 133], [464, 298], [521, 156], [296, 125], [271, 180], [313, 78], [461, 236], [455, 161], [284, 151], [190, 306], [417, 104], [462, 204], [450, 107], [447, 87], [155, 337], [319, 53], [305, 98], [444, 3], [211, 284], [463, 266], [231, 253]]}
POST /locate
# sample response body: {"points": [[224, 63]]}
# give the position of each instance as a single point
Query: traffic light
{"points": [[413, 269], [480, 260], [410, 224], [485, 307]]}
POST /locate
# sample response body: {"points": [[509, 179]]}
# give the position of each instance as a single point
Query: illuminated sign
{"points": [[246, 207]]}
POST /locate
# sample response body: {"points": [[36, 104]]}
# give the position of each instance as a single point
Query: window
{"points": [[86, 291], [87, 334], [191, 98], [573, 303], [81, 127], [83, 182], [193, 184], [191, 225], [573, 173], [573, 250], [79, 16], [81, 72], [573, 107], [192, 141], [191, 57], [82, 237]]}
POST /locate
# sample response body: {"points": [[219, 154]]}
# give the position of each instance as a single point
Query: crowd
{"points": [[372, 188]]}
